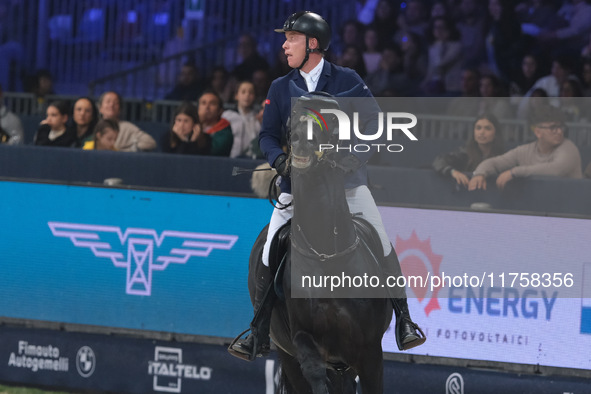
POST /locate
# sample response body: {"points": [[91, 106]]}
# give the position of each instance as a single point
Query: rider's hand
{"points": [[281, 164]]}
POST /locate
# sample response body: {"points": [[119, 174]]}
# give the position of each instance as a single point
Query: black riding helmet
{"points": [[312, 25]]}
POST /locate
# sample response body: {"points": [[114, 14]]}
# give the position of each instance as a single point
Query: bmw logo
{"points": [[85, 361]]}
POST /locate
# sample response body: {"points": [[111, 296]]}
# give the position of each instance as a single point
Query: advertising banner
{"points": [[126, 258], [81, 361], [174, 262], [123, 364], [466, 316]]}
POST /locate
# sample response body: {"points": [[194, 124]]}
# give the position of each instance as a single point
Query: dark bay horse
{"points": [[325, 339]]}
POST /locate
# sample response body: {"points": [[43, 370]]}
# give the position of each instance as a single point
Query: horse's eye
{"points": [[295, 137]]}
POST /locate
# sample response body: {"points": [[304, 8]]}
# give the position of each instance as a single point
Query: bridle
{"points": [[321, 256]]}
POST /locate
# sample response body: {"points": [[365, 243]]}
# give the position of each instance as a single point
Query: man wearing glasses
{"points": [[551, 154]]}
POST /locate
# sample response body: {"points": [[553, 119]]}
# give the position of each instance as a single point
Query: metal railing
{"points": [[459, 128], [430, 126]]}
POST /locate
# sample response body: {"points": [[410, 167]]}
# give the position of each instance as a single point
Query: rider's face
{"points": [[294, 48]]}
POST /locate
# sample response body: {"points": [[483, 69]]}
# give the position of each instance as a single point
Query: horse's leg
{"points": [[371, 371], [313, 368], [292, 380]]}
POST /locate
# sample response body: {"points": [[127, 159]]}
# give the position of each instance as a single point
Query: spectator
{"points": [[372, 50], [11, 128], [219, 83], [185, 136], [383, 21], [573, 37], [188, 86], [468, 103], [439, 10], [538, 98], [484, 142], [210, 116], [472, 28], [130, 138], [561, 71], [570, 100], [54, 131], [351, 34], [389, 79], [415, 61], [105, 135], [551, 154], [251, 59], [43, 84], [353, 59], [470, 83], [84, 119], [445, 53], [413, 20], [244, 123], [493, 98], [528, 76], [504, 40]]}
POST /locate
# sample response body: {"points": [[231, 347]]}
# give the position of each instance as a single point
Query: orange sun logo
{"points": [[417, 259]]}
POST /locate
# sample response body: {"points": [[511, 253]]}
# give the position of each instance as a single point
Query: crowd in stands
{"points": [[489, 58]]}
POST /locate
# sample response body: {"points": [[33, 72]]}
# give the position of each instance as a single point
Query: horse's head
{"points": [[312, 130]]}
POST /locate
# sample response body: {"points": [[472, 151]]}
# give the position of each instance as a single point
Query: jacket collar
{"points": [[324, 76]]}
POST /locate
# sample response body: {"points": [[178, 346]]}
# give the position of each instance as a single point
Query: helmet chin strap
{"points": [[308, 52]]}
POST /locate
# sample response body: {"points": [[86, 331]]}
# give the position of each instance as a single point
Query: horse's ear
{"points": [[359, 90]]}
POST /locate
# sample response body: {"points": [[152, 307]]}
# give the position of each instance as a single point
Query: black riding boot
{"points": [[407, 336], [257, 342]]}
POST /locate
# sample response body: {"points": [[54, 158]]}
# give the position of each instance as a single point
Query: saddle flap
{"points": [[279, 248]]}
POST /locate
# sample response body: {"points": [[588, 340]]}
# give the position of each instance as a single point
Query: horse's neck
{"points": [[322, 212]]}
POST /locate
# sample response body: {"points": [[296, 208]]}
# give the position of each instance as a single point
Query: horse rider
{"points": [[307, 37]]}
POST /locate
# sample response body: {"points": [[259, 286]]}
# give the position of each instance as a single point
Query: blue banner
{"points": [[127, 258]]}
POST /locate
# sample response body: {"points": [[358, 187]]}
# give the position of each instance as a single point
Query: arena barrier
{"points": [[83, 361], [171, 268], [390, 185], [169, 262]]}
